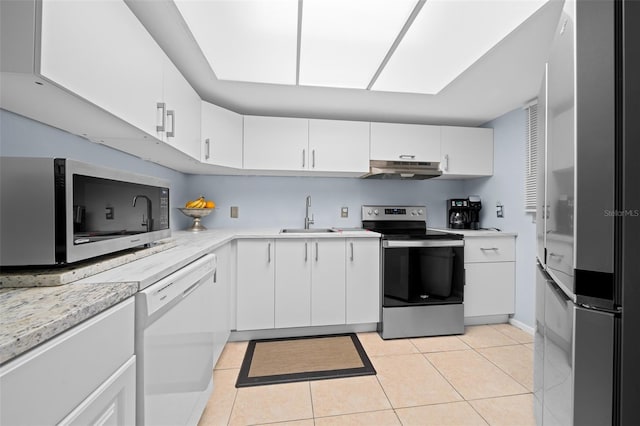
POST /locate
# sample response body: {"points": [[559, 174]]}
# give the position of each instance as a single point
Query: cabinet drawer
{"points": [[489, 249], [47, 383]]}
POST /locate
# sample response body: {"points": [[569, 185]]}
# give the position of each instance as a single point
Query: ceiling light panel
{"points": [[343, 42], [246, 40], [446, 38]]}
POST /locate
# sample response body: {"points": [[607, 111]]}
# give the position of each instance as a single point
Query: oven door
{"points": [[422, 272]]}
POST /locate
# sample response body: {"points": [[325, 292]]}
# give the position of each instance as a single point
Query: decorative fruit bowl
{"points": [[197, 215]]}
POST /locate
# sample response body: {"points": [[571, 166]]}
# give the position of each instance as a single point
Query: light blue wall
{"points": [[280, 201], [507, 187], [21, 136]]}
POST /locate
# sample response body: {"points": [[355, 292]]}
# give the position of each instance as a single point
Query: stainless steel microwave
{"points": [[55, 211]]}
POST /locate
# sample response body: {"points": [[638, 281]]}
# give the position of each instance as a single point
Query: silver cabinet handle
{"points": [[351, 250], [304, 154], [207, 152], [162, 107], [215, 276], [313, 159], [316, 251], [489, 248], [306, 251], [407, 156], [445, 167], [171, 113], [556, 255], [269, 253]]}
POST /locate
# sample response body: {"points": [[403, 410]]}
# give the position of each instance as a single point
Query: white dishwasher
{"points": [[174, 340]]}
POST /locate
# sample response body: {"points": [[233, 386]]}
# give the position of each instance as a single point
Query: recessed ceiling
{"points": [[412, 46], [507, 76]]}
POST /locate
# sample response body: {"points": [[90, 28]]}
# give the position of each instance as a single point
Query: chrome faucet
{"points": [[308, 221], [148, 222]]}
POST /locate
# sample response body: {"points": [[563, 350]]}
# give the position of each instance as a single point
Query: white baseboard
{"points": [[522, 326]]}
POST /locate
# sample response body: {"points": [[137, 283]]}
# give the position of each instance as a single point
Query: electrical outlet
{"points": [[499, 209], [234, 212], [108, 213], [344, 212]]}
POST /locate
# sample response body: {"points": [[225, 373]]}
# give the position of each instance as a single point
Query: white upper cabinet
{"points": [[221, 138], [276, 143], [115, 79], [102, 53], [182, 116], [338, 146], [405, 142], [466, 152]]}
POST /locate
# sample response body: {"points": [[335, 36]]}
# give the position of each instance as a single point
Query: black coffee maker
{"points": [[475, 205], [459, 213], [464, 213]]}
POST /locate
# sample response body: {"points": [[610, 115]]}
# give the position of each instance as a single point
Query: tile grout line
{"points": [[500, 368], [424, 355]]}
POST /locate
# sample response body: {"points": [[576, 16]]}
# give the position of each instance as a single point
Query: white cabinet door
{"points": [[489, 289], [101, 52], [221, 136], [363, 280], [293, 283], [466, 151], [276, 143], [44, 385], [255, 281], [408, 142], [339, 146], [112, 404], [328, 282], [220, 305], [182, 112]]}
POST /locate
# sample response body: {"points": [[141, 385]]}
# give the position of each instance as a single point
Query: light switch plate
{"points": [[344, 212], [234, 212]]}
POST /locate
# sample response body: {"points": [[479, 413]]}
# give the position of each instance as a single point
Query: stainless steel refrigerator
{"points": [[586, 351]]}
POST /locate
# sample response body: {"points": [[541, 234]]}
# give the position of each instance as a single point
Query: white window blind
{"points": [[532, 158]]}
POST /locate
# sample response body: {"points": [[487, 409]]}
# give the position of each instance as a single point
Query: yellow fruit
{"points": [[210, 204], [196, 204]]}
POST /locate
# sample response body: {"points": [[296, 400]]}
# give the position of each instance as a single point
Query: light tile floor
{"points": [[484, 377]]}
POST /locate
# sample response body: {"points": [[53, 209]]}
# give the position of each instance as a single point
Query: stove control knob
{"points": [[413, 213], [376, 212], [420, 212], [369, 212]]}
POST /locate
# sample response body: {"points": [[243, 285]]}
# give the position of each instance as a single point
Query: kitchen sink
{"points": [[306, 231]]}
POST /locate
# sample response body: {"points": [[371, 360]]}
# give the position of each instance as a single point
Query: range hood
{"points": [[406, 170]]}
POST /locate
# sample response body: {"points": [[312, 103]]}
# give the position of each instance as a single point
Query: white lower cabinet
{"points": [[293, 283], [363, 280], [328, 282], [310, 280], [489, 289], [111, 404], [255, 284], [490, 276], [221, 300], [307, 282], [86, 375]]}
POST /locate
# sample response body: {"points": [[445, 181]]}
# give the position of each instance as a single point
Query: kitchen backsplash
{"points": [[280, 201]]}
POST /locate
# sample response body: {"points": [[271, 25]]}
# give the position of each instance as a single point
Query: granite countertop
{"points": [[477, 233], [30, 316]]}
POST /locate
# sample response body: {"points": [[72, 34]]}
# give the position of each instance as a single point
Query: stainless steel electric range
{"points": [[422, 273]]}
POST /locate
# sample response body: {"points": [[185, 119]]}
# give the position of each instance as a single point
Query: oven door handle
{"points": [[422, 243]]}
